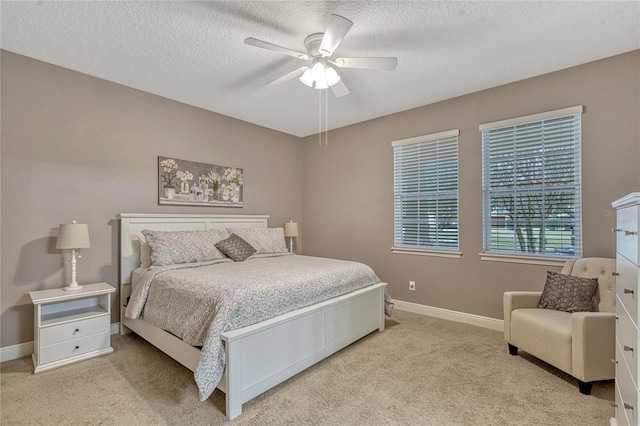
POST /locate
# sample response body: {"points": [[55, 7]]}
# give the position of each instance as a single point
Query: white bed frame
{"points": [[260, 356]]}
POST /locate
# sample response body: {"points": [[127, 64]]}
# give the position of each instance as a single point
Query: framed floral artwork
{"points": [[188, 183]]}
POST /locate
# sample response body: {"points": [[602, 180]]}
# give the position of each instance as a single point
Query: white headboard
{"points": [[131, 225]]}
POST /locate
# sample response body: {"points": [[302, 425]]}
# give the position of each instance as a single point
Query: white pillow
{"points": [[173, 247], [264, 240], [145, 252]]}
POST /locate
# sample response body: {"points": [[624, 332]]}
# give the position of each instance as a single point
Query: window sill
{"points": [[427, 252], [529, 260]]}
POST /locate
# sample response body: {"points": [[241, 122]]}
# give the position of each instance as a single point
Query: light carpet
{"points": [[419, 371]]}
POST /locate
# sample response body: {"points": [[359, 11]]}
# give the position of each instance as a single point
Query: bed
{"points": [[262, 355]]}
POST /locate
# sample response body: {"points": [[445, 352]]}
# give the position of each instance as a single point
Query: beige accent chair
{"points": [[581, 344]]}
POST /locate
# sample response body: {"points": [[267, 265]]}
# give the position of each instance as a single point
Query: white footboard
{"points": [[263, 355]]}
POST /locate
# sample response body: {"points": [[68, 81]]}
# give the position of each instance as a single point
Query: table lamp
{"points": [[73, 236], [291, 231]]}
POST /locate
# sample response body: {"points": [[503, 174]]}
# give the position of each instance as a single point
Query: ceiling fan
{"points": [[319, 72]]}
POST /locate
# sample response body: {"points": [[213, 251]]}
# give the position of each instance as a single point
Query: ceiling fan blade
{"points": [[368, 63], [270, 46], [289, 76], [333, 35], [339, 89]]}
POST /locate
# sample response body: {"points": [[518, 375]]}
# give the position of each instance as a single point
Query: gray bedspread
{"points": [[199, 302]]}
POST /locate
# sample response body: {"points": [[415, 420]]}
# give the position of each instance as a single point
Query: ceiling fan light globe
{"points": [[318, 71], [331, 76], [321, 84], [307, 78]]}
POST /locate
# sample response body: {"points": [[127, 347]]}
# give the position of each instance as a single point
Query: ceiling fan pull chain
{"points": [[326, 117], [319, 118]]}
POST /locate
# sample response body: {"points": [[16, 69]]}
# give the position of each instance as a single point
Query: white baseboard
{"points": [[16, 351], [477, 320], [23, 349]]}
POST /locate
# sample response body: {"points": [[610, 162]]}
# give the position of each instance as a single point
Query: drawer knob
{"points": [[76, 330], [627, 233], [615, 274], [615, 230], [628, 348], [614, 361], [627, 291], [628, 406], [78, 347]]}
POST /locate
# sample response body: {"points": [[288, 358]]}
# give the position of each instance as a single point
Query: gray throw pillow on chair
{"points": [[568, 293]]}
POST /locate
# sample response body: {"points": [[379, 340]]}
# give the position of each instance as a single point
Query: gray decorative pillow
{"points": [[568, 293], [174, 247], [235, 248], [264, 240]]}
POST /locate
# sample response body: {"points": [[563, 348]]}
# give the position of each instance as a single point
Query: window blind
{"points": [[426, 191], [532, 185]]}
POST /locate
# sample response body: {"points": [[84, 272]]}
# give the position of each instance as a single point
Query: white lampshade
{"points": [[321, 84], [73, 236], [331, 76], [291, 229], [307, 77], [317, 71]]}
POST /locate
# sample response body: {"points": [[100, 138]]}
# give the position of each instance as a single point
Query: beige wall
{"points": [[347, 201], [77, 147]]}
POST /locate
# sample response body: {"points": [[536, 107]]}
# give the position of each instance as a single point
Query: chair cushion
{"points": [[568, 293], [545, 334]]}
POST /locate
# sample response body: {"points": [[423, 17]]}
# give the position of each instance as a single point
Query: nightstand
{"points": [[71, 326]]}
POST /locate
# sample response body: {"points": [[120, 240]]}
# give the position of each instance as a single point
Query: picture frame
{"points": [[190, 183]]}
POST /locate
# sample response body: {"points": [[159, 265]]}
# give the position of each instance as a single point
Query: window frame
{"points": [[576, 186], [424, 250]]}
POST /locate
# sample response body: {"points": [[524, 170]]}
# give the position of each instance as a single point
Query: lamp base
{"points": [[73, 284]]}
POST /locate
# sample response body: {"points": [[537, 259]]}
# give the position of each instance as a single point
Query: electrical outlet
{"points": [[412, 285]]}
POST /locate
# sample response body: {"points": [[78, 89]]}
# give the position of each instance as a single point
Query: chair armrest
{"points": [[517, 300], [593, 341]]}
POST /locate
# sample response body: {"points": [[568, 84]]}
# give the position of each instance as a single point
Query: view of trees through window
{"points": [[532, 187]]}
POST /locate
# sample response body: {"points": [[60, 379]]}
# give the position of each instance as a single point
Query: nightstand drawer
{"points": [[73, 347], [74, 330], [627, 285]]}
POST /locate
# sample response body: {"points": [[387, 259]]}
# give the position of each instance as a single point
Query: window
{"points": [[532, 185], [426, 193]]}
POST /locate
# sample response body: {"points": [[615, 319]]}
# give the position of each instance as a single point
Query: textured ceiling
{"points": [[194, 52]]}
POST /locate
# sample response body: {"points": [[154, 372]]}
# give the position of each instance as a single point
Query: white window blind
{"points": [[426, 191], [532, 184]]}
